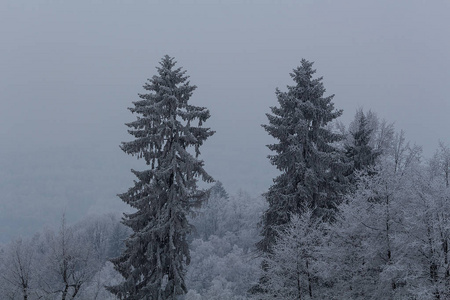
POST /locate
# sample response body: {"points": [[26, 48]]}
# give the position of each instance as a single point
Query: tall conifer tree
{"points": [[153, 263], [311, 166], [359, 152]]}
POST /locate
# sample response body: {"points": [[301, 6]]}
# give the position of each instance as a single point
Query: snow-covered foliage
{"points": [[312, 168], [224, 264], [17, 269], [70, 263], [357, 214], [290, 271], [223, 261], [167, 127], [389, 238], [359, 145]]}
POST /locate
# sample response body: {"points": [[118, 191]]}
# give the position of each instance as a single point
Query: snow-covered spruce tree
{"points": [[153, 263], [312, 168], [359, 151]]}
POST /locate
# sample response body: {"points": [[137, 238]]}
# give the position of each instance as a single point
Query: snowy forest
{"points": [[356, 212]]}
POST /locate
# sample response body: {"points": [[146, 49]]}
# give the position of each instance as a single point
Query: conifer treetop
{"points": [[153, 263], [312, 168]]}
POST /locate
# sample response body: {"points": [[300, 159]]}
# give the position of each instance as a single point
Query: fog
{"points": [[69, 70]]}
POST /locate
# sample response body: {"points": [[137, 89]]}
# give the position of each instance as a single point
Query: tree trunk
{"points": [[299, 287], [64, 293], [309, 280]]}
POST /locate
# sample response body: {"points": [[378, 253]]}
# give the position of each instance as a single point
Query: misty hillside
{"points": [[38, 186], [224, 150]]}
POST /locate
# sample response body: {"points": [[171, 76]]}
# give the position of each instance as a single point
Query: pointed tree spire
{"points": [[153, 263], [311, 167], [359, 151]]}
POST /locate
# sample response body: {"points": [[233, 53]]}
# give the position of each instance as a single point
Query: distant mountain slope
{"points": [[36, 187]]}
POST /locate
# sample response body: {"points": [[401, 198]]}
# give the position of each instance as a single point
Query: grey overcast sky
{"points": [[69, 70]]}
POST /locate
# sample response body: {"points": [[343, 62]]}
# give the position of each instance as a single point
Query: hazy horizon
{"points": [[69, 70]]}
